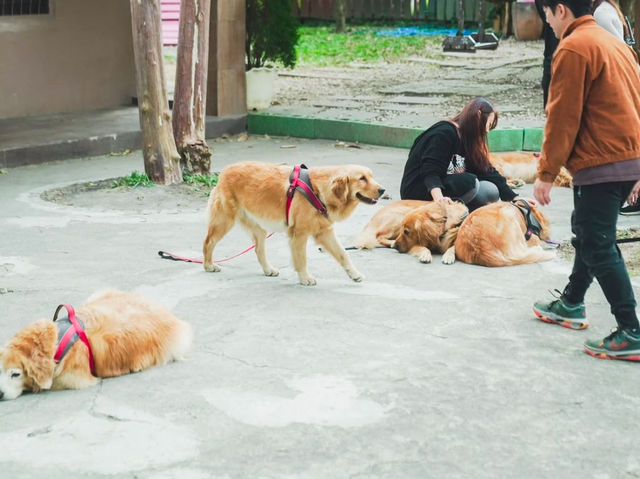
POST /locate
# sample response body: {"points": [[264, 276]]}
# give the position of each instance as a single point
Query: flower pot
{"points": [[527, 24], [260, 87]]}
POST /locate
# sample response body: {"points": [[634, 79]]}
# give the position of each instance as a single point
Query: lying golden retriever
{"points": [[524, 166], [494, 235], [255, 194], [431, 228], [384, 227], [126, 332]]}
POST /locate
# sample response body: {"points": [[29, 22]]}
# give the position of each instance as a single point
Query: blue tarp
{"points": [[423, 31]]}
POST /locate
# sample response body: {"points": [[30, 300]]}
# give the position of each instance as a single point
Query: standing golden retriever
{"points": [[494, 235], [126, 332], [255, 194], [431, 228]]}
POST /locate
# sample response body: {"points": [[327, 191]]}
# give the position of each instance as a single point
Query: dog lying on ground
{"points": [[524, 166], [384, 227], [431, 228], [256, 195], [495, 235], [126, 333]]}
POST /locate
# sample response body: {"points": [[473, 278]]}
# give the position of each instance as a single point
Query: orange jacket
{"points": [[593, 112]]}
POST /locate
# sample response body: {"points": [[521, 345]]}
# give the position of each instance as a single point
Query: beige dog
{"points": [[494, 235], [384, 227], [431, 228], [126, 332], [255, 194], [524, 166]]}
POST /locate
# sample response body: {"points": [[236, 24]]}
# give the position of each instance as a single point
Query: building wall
{"points": [[80, 57]]}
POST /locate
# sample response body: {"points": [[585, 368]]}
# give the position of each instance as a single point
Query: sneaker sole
{"points": [[603, 355], [630, 213], [565, 323]]}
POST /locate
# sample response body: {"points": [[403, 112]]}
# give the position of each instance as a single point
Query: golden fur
{"points": [[524, 166], [431, 228], [127, 334], [494, 236], [384, 227], [255, 194]]}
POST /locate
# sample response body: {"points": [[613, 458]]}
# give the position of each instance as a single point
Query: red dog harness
{"points": [[299, 180], [74, 331]]}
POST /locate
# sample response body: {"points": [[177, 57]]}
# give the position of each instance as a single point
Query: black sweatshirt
{"points": [[430, 157]]}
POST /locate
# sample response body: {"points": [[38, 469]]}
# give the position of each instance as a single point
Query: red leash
{"points": [[175, 257]]}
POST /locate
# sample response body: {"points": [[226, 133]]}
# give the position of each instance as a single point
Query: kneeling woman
{"points": [[450, 161]]}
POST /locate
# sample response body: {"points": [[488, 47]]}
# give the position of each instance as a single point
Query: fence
{"points": [[434, 10]]}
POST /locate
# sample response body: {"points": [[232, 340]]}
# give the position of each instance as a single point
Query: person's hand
{"points": [[632, 199], [542, 191], [531, 201], [445, 199]]}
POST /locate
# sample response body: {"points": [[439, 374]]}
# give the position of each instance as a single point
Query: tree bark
{"points": [[190, 96], [161, 159], [340, 14]]}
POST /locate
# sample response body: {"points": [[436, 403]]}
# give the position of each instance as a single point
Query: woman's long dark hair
{"points": [[472, 125]]}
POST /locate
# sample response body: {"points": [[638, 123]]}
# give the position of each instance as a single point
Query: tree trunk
{"points": [[161, 159], [340, 14], [190, 96]]}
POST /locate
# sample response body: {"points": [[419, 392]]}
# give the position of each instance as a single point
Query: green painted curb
{"points": [[508, 139]]}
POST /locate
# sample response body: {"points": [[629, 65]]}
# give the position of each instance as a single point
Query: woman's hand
{"points": [[438, 197], [632, 199], [445, 199], [528, 200]]}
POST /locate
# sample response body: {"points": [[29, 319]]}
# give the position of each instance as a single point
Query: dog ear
{"points": [[340, 188], [39, 367]]}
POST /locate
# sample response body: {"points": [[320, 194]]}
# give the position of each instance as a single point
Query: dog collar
{"points": [[299, 181], [72, 329], [533, 226]]}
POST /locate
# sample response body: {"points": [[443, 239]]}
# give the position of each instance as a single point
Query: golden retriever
{"points": [[494, 235], [127, 333], [524, 166], [255, 194], [384, 227], [431, 228]]}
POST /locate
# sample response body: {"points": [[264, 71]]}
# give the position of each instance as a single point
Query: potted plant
{"points": [[272, 34]]}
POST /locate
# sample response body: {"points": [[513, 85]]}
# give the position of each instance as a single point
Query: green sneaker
{"points": [[558, 311], [620, 344]]}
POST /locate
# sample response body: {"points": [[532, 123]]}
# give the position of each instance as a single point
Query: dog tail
{"points": [[526, 255], [366, 239], [183, 339]]}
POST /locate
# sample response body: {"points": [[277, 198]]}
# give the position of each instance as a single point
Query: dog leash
{"points": [[175, 257]]}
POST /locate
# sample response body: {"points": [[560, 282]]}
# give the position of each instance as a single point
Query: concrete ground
{"points": [[420, 371]]}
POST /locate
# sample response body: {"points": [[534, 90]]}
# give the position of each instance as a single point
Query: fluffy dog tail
{"points": [[512, 257], [366, 239]]}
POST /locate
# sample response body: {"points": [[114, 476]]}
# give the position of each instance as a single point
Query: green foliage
{"points": [[210, 180], [321, 46], [134, 180], [272, 33]]}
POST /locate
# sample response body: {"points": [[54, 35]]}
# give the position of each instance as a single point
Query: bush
{"points": [[272, 33]]}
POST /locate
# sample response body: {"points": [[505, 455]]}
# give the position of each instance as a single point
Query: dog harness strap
{"points": [[76, 330], [533, 226], [299, 180]]}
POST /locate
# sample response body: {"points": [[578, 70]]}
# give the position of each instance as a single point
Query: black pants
{"points": [[593, 222], [546, 80]]}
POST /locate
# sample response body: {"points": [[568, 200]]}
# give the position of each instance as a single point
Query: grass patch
{"points": [[134, 180], [321, 46], [202, 183]]}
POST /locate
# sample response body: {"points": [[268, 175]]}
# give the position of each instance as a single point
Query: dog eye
{"points": [[363, 178], [15, 374], [406, 231]]}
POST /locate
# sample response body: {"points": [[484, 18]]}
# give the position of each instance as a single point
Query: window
{"points": [[24, 7]]}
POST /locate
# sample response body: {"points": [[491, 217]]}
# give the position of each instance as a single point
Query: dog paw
{"points": [[448, 258], [212, 267], [356, 276], [308, 281], [271, 272], [425, 257]]}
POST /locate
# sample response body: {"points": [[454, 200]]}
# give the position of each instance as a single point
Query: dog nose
{"points": [[380, 191]]}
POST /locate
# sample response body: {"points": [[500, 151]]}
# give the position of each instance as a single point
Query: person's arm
{"points": [[435, 158], [567, 92]]}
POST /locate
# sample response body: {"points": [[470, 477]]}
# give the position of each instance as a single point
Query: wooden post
{"points": [[190, 97], [161, 159], [339, 15]]}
